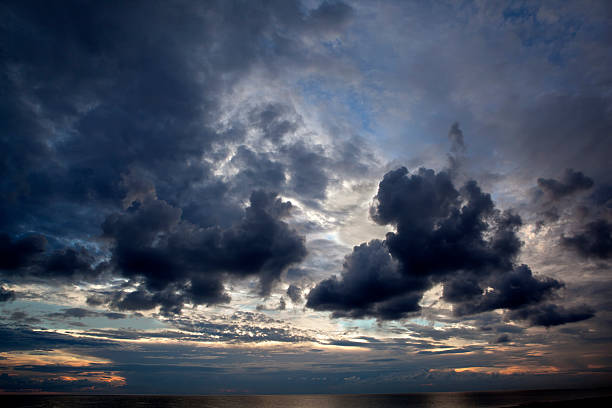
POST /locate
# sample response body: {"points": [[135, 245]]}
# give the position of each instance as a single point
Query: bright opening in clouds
{"points": [[305, 196]]}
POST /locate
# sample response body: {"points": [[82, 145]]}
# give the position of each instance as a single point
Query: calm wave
{"points": [[421, 400]]}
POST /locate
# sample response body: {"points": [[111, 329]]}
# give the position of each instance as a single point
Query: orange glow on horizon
{"points": [[508, 370], [52, 357]]}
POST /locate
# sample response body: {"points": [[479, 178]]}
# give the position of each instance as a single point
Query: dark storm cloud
{"points": [[275, 120], [6, 294], [511, 290], [602, 196], [572, 182], [137, 89], [302, 169], [179, 262], [136, 300], [257, 171], [504, 338], [110, 112], [30, 257], [443, 235], [106, 94], [589, 232], [308, 175], [552, 315], [69, 262], [371, 285], [295, 293], [20, 252], [594, 241]]}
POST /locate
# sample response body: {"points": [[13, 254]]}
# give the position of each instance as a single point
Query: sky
{"points": [[259, 197]]}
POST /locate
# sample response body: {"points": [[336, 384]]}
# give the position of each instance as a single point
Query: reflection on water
{"points": [[422, 400]]}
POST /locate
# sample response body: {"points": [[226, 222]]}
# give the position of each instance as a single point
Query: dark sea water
{"points": [[556, 398]]}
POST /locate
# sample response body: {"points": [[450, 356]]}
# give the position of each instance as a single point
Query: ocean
{"points": [[542, 398]]}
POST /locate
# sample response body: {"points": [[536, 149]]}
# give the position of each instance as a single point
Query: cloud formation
{"points": [[595, 241], [111, 154], [552, 315], [455, 135], [6, 294], [443, 235], [295, 293], [29, 257], [203, 173], [178, 262], [572, 182]]}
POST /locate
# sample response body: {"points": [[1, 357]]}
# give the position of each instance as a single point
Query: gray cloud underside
{"points": [[443, 235], [126, 154]]}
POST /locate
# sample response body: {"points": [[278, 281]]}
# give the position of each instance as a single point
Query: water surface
{"points": [[417, 400]]}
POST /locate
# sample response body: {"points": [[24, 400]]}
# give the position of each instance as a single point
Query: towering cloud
{"points": [[455, 135], [443, 235]]}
